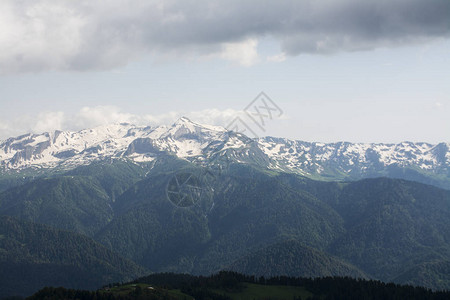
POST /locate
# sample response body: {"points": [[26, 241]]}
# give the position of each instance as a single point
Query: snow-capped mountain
{"points": [[211, 144], [140, 143], [351, 158]]}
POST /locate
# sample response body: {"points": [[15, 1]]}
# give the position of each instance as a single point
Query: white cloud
{"points": [[244, 53], [39, 35], [89, 117], [214, 116], [48, 121], [277, 58]]}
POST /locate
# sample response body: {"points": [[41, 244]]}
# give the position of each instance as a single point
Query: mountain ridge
{"points": [[211, 145]]}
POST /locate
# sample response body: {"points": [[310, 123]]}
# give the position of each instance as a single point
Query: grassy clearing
{"points": [[257, 291], [147, 289]]}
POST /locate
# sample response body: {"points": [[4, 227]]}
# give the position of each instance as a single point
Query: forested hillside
{"points": [[34, 255], [248, 219]]}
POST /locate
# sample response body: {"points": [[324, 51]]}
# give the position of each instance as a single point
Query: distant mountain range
{"points": [[208, 145], [198, 199]]}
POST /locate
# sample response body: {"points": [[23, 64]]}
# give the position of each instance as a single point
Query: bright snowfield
{"points": [[196, 142]]}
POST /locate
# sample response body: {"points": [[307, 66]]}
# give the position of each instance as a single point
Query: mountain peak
{"points": [[184, 119], [186, 123]]}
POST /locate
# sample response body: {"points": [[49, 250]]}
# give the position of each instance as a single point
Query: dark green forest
{"points": [[34, 255], [114, 221]]}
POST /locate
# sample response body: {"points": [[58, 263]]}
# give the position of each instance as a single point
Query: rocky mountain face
{"points": [[212, 145]]}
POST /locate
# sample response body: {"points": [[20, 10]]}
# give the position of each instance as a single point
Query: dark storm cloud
{"points": [[45, 35], [365, 25], [302, 26]]}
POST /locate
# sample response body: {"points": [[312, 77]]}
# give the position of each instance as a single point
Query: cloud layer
{"points": [[89, 117], [43, 35]]}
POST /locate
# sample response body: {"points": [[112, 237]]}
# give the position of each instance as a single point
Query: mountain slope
{"points": [[33, 256], [291, 258], [434, 274], [392, 225], [246, 209], [74, 203], [115, 177]]}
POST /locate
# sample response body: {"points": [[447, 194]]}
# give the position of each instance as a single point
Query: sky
{"points": [[333, 70]]}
